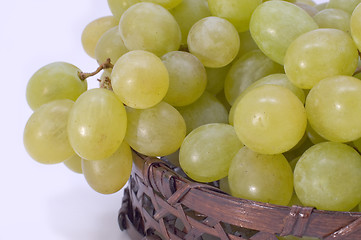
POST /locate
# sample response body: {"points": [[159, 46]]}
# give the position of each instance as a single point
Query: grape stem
{"points": [[107, 64]]}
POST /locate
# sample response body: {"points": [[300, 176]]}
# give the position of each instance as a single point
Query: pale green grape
{"points": [[311, 10], [319, 54], [111, 174], [333, 18], [74, 163], [247, 44], [355, 24], [237, 12], [97, 124], [187, 78], [45, 134], [118, 7], [214, 41], [150, 27], [207, 109], [206, 153], [260, 177], [140, 79], [216, 78], [110, 45], [168, 4], [245, 71], [321, 6], [270, 119], [156, 131], [334, 108], [94, 30], [187, 13], [327, 176], [346, 5], [275, 24], [58, 80]]}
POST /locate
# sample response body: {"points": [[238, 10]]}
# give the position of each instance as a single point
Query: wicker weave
{"points": [[161, 204]]}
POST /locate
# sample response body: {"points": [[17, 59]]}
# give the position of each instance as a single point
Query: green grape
{"points": [[237, 12], [260, 177], [74, 163], [207, 109], [327, 176], [187, 78], [187, 13], [333, 18], [224, 185], [150, 27], [355, 25], [270, 119], [357, 144], [247, 44], [156, 131], [58, 80], [346, 5], [118, 7], [334, 108], [321, 6], [313, 135], [168, 4], [294, 201], [216, 78], [111, 174], [140, 79], [275, 24], [94, 30], [319, 54], [97, 124], [245, 71], [110, 45], [213, 40], [45, 134], [206, 153], [311, 10]]}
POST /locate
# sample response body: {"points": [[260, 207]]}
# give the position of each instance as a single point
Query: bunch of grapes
{"points": [[263, 96]]}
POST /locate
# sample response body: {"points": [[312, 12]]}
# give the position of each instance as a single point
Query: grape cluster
{"points": [[264, 96]]}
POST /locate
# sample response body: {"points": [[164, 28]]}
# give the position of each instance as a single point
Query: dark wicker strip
{"points": [[346, 231], [297, 220]]}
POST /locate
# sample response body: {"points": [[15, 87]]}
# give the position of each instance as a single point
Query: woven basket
{"points": [[161, 203]]}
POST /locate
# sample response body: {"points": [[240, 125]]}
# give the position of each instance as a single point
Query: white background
{"points": [[40, 201]]}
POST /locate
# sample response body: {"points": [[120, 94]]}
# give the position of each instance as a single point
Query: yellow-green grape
{"points": [[321, 6], [74, 163], [187, 78], [275, 24], [311, 10], [334, 108], [308, 2], [270, 119], [97, 124], [94, 30], [216, 78], [237, 12], [45, 134], [333, 18], [140, 79], [246, 70], [111, 174], [224, 185], [327, 176], [214, 41], [247, 44], [110, 45], [355, 25], [187, 13], [156, 131], [357, 144], [206, 153], [319, 54], [207, 109], [150, 27], [260, 177], [346, 5], [313, 135], [168, 4], [58, 80], [118, 7]]}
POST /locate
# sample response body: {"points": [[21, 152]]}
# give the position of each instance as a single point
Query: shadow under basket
{"points": [[161, 203]]}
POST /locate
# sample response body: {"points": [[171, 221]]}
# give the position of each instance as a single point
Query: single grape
{"points": [[311, 10], [140, 79], [327, 176], [168, 4], [321, 6], [150, 27], [333, 18], [206, 153], [346, 5], [260, 177], [97, 124], [94, 30], [45, 134], [355, 25], [156, 131], [74, 163], [214, 41], [118, 7], [54, 81], [111, 174]]}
